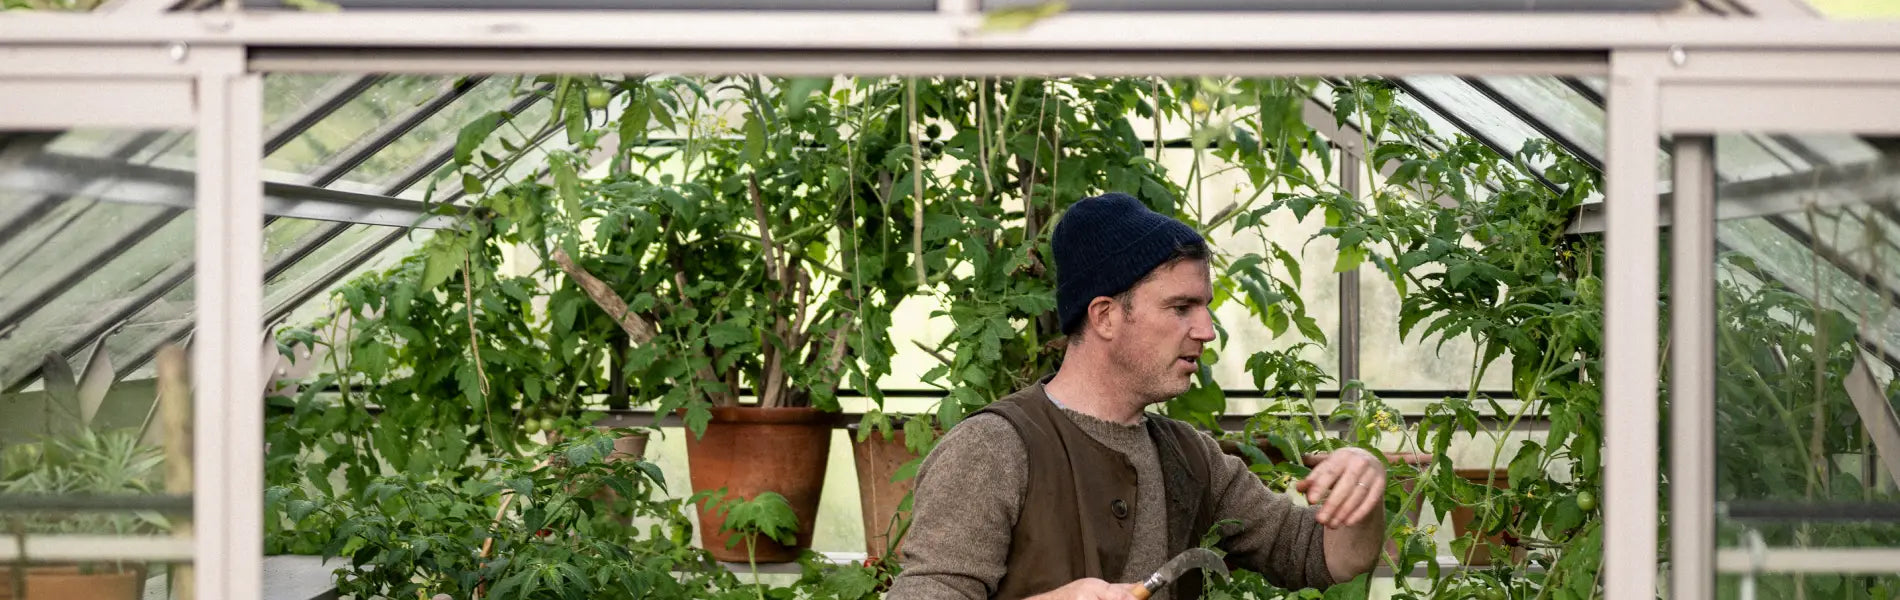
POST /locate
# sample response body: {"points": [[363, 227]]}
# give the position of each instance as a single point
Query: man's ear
{"points": [[1105, 317]]}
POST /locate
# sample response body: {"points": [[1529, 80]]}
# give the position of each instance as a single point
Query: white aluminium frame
{"points": [[1700, 95], [1684, 74], [209, 90]]}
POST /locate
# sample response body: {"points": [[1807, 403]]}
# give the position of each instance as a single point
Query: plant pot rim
{"points": [[791, 415], [854, 426], [1481, 472]]}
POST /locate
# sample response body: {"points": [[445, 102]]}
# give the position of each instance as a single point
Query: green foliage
{"points": [[767, 514], [85, 463], [768, 247], [550, 529]]}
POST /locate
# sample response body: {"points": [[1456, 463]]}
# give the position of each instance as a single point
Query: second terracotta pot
{"points": [[62, 582], [749, 451], [1462, 517], [878, 460]]}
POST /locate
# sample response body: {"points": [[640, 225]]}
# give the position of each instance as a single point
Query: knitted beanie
{"points": [[1104, 245]]}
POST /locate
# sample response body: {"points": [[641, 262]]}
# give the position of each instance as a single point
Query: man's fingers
{"points": [[1373, 501], [1342, 500], [1320, 482]]}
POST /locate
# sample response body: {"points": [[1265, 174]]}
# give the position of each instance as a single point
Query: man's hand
{"points": [[1348, 485], [1089, 589]]}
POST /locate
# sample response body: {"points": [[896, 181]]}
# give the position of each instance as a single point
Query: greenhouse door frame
{"points": [[209, 91], [1696, 96], [1668, 74]]}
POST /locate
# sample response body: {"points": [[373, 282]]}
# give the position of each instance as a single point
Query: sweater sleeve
{"points": [[968, 494], [1276, 537]]}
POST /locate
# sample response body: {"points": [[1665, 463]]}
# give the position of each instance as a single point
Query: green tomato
{"points": [[1586, 501], [933, 131], [597, 98]]}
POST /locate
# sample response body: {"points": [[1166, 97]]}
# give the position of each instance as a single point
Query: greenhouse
{"points": [[818, 299]]}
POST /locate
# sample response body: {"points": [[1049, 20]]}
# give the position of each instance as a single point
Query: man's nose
{"points": [[1203, 328]]}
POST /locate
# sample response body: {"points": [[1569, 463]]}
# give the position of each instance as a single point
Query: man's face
{"points": [[1163, 330]]}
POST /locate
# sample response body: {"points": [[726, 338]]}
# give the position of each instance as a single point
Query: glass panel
{"points": [[436, 133], [1486, 118], [518, 133], [1387, 362], [83, 431], [101, 241], [1558, 107], [1804, 295], [337, 263], [72, 239], [351, 126], [288, 95]]}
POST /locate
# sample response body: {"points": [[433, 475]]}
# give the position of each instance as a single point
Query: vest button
{"points": [[1120, 508]]}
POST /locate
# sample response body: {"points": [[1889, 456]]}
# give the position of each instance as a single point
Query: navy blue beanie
{"points": [[1106, 244]]}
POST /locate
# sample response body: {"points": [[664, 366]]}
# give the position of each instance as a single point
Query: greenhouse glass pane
{"points": [[334, 261], [1793, 317], [349, 128], [76, 235], [1796, 266], [1596, 84], [1489, 120], [533, 156], [436, 133], [95, 248], [92, 142], [1388, 362], [80, 435], [287, 95], [166, 319], [1558, 107], [171, 317], [93, 305]]}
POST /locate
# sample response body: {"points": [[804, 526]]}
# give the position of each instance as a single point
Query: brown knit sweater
{"points": [[970, 490]]}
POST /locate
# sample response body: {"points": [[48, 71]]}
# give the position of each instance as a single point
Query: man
{"points": [[1069, 490]]}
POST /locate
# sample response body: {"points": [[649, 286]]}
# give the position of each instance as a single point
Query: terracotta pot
{"points": [[629, 447], [878, 460], [63, 582], [1462, 517], [748, 451]]}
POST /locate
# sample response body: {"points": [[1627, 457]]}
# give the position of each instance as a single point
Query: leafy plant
{"points": [[529, 530], [767, 514]]}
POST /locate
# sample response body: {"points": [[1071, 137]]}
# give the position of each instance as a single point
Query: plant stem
{"points": [[752, 558], [916, 177], [474, 345]]}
